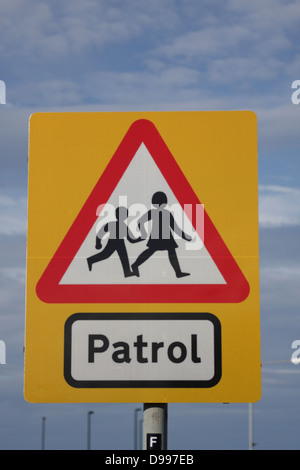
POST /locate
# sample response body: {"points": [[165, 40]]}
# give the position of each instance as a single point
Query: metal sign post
{"points": [[155, 431]]}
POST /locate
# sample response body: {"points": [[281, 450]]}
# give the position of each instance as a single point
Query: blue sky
{"points": [[111, 55]]}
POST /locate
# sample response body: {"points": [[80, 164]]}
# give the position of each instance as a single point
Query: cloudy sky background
{"points": [[111, 55]]}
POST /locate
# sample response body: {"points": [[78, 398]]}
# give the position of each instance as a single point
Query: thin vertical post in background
{"points": [[89, 430], [250, 410], [135, 427], [43, 432], [141, 434]]}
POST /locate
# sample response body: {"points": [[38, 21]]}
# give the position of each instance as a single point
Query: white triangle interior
{"points": [[140, 181]]}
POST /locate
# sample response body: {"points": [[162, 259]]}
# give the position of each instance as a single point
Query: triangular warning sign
{"points": [[188, 263]]}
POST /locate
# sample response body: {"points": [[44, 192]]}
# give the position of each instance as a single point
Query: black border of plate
{"points": [[142, 383]]}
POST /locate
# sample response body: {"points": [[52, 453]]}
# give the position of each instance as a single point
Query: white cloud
{"points": [[244, 42], [158, 84], [199, 45], [52, 91], [13, 274], [13, 215], [279, 206], [241, 69], [208, 42], [281, 273], [55, 30], [280, 122], [269, 16]]}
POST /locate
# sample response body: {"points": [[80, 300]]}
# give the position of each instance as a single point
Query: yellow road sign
{"points": [[142, 258]]}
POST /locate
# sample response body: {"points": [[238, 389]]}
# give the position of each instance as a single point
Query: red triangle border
{"points": [[48, 288]]}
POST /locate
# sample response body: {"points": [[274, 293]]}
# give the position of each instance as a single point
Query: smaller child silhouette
{"points": [[118, 233]]}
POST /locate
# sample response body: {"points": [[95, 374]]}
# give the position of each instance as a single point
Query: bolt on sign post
{"points": [[142, 258]]}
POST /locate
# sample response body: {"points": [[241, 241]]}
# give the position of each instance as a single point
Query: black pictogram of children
{"points": [[160, 239]]}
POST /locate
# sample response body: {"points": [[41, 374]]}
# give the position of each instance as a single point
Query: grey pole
{"points": [[135, 427], [250, 426], [155, 424], [89, 430], [43, 432], [141, 434]]}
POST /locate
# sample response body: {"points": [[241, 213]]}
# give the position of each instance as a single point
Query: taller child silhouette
{"points": [[161, 237]]}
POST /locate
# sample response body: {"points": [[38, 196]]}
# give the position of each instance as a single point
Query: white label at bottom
{"points": [[142, 350]]}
